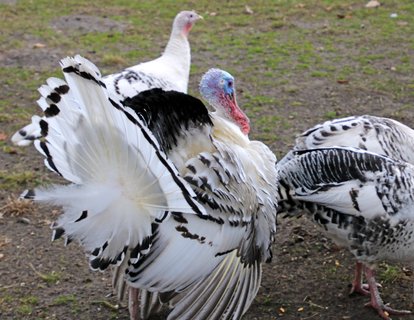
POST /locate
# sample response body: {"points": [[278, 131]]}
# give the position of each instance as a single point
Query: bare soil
{"points": [[309, 277]]}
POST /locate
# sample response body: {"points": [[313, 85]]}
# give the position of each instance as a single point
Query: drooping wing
{"points": [[349, 192], [348, 180]]}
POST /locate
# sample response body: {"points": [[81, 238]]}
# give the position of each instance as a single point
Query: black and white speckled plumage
{"points": [[363, 200], [376, 134], [191, 207]]}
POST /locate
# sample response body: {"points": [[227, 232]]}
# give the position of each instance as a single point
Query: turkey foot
{"points": [[376, 302], [357, 285]]}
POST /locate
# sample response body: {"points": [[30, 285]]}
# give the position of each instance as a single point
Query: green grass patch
{"points": [[389, 273], [51, 277], [30, 300], [13, 180], [65, 299], [319, 74], [24, 309], [330, 115]]}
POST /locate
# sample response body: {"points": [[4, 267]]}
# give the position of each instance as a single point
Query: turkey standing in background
{"points": [[171, 71], [182, 193], [362, 200]]}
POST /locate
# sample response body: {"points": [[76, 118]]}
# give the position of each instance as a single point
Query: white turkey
{"points": [[362, 200], [376, 134], [182, 193], [170, 71], [383, 136]]}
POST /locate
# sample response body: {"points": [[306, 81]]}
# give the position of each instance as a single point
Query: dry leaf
{"points": [[213, 14], [342, 81], [402, 23], [4, 241], [16, 207], [10, 150], [373, 4], [248, 9], [300, 5], [39, 45], [407, 271], [3, 136]]}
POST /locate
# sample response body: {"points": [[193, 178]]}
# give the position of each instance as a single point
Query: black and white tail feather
{"points": [[121, 180]]}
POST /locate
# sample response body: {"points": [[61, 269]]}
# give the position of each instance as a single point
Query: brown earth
{"points": [[309, 277]]}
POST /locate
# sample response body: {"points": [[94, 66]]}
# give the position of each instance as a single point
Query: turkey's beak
{"points": [[237, 114], [231, 97]]}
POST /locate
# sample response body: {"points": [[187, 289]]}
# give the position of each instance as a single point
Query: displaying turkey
{"points": [[380, 135], [180, 192], [170, 71], [362, 200]]}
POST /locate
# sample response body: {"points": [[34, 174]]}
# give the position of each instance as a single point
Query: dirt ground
{"points": [[309, 277]]}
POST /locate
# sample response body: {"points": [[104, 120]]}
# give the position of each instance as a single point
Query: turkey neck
{"points": [[178, 51]]}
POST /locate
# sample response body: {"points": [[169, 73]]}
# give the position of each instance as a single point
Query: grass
{"points": [[69, 301], [50, 278], [12, 180], [26, 305], [280, 32], [24, 309], [65, 299], [329, 115], [389, 273]]}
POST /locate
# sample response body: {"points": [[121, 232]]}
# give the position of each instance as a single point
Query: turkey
{"points": [[380, 135], [361, 200], [180, 192], [170, 71], [383, 136]]}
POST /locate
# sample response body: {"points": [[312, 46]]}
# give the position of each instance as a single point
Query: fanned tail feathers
{"points": [[121, 181], [226, 294]]}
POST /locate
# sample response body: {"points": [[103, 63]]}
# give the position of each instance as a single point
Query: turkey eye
{"points": [[230, 83], [191, 16]]}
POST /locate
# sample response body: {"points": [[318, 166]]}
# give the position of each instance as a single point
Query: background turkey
{"points": [[170, 71]]}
